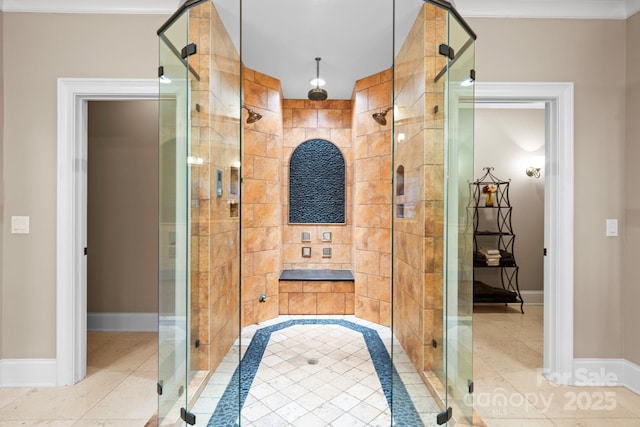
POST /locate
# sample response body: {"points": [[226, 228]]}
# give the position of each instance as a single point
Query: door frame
{"points": [[558, 213], [71, 212]]}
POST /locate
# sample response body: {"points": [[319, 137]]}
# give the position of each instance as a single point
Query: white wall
{"points": [[508, 139]]}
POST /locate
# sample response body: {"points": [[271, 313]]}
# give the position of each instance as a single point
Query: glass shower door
{"points": [[173, 219], [199, 312], [459, 113]]}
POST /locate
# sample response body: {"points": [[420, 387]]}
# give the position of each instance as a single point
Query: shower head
{"points": [[317, 93], [253, 116], [380, 117]]}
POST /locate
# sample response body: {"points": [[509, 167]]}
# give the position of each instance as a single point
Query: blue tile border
{"points": [[228, 409]]}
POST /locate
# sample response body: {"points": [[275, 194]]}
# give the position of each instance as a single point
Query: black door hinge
{"points": [[187, 416], [197, 343], [470, 384], [434, 343], [159, 387], [545, 252], [85, 251], [444, 416], [188, 50], [446, 50]]}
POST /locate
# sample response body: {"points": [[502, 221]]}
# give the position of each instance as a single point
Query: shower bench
{"points": [[316, 292]]}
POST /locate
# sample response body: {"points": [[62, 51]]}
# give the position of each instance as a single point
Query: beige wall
{"points": [[122, 211], [631, 230], [90, 46], [2, 222], [592, 55], [507, 140]]}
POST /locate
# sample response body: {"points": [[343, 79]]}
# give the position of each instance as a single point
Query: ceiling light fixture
{"points": [[317, 82], [317, 93]]}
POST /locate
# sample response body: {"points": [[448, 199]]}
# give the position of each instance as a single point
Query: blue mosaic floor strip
{"points": [[228, 409]]}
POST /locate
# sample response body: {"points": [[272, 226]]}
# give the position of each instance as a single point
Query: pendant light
{"points": [[317, 93]]}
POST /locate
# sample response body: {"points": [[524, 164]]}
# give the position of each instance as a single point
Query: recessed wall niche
{"points": [[317, 184]]}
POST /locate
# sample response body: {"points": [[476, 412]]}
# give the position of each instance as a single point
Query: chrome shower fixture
{"points": [[380, 116], [317, 93], [253, 116]]}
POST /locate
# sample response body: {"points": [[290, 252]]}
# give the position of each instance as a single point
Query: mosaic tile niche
{"points": [[317, 184]]}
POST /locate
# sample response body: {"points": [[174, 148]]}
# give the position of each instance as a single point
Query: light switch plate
{"points": [[612, 227], [19, 225]]}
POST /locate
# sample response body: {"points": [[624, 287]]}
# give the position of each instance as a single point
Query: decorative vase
{"points": [[489, 200]]}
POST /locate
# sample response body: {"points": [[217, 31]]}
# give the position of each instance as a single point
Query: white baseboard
{"points": [[632, 376], [122, 322], [28, 373], [606, 372], [533, 297]]}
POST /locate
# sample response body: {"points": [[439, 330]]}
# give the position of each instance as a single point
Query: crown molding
{"points": [[581, 9], [151, 7], [570, 9]]}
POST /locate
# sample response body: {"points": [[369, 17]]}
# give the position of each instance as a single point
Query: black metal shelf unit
{"points": [[494, 240]]}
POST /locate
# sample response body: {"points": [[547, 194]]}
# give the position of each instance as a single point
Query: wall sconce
{"points": [[533, 172], [536, 163]]}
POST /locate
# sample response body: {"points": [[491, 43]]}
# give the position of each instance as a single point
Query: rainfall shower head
{"points": [[317, 93], [381, 116], [253, 116]]}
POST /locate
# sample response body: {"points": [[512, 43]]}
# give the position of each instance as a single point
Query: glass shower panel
{"points": [[459, 117], [173, 218], [214, 202], [433, 157], [418, 232], [199, 213]]}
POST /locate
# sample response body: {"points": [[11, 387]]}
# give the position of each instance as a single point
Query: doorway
{"points": [[71, 265], [558, 213], [122, 262], [510, 138]]}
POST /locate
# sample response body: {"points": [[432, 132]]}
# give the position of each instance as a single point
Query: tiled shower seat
{"points": [[316, 292]]}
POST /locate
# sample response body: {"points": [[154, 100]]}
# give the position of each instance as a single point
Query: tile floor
{"points": [[316, 371], [119, 390], [510, 390]]}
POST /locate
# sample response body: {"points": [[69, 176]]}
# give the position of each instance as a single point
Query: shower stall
{"points": [[395, 269]]}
